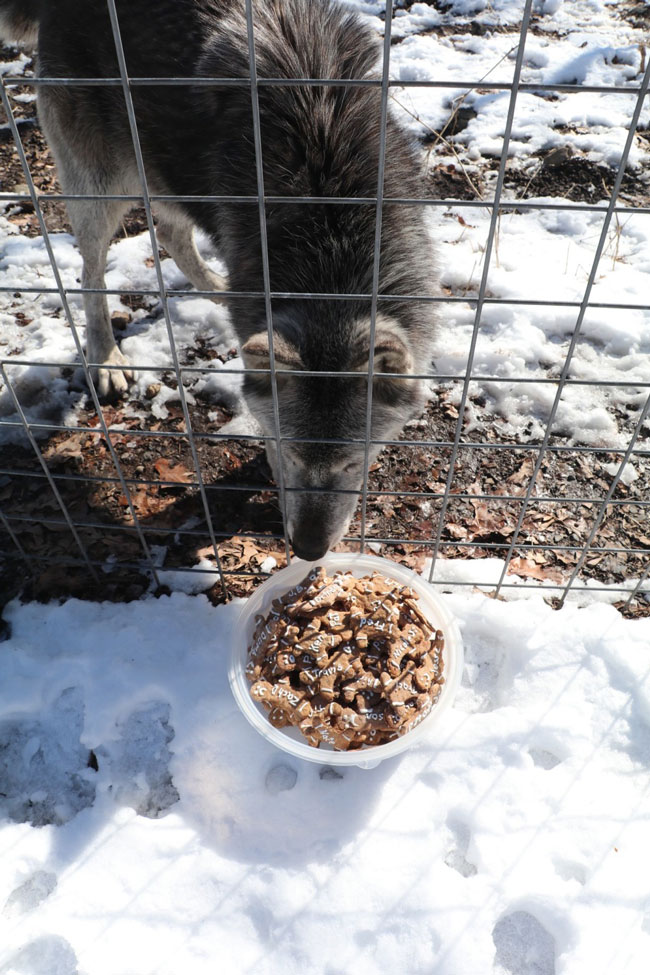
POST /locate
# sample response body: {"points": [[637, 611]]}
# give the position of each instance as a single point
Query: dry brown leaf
{"points": [[146, 502], [567, 558], [524, 473], [239, 553], [518, 482], [488, 522], [65, 449], [537, 557], [110, 414], [232, 461], [172, 472], [414, 559], [529, 569]]}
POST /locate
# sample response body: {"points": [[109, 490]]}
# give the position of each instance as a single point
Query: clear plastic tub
{"points": [[290, 739]]}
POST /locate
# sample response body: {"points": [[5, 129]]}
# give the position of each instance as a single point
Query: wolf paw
{"points": [[112, 382]]}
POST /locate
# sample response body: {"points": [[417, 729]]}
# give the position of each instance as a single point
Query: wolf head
{"points": [[322, 478]]}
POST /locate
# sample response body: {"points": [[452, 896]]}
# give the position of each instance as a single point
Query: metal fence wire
{"points": [[60, 517]]}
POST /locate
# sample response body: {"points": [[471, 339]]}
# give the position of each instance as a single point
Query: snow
{"points": [[145, 827], [455, 575], [47, 337], [514, 840]]}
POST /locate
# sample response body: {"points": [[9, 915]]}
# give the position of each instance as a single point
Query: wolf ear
{"points": [[392, 354], [256, 353]]}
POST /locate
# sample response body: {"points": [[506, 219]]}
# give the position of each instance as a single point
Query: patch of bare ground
{"points": [[634, 13], [558, 173], [406, 486], [487, 25], [561, 173]]}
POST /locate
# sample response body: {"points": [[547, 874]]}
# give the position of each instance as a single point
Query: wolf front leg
{"points": [[175, 233], [93, 224]]}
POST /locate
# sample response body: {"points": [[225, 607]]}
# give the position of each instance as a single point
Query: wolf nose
{"points": [[308, 550]]}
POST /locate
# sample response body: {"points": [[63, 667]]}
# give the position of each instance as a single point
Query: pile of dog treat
{"points": [[350, 662]]}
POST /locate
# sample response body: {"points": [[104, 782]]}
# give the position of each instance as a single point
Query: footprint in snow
{"points": [[456, 858], [543, 758], [43, 765], [49, 955], [280, 778], [138, 761], [523, 946], [30, 893]]}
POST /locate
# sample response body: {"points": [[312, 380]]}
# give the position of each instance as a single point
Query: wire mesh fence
{"points": [[94, 492]]}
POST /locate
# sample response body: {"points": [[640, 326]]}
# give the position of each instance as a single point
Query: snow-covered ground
{"points": [[514, 840], [145, 829]]}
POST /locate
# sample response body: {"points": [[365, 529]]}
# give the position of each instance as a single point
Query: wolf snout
{"points": [[312, 533], [309, 545], [316, 522]]}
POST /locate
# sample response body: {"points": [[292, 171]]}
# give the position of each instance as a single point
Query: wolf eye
{"points": [[353, 467]]}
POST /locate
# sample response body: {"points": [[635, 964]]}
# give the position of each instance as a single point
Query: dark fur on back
{"points": [[320, 141]]}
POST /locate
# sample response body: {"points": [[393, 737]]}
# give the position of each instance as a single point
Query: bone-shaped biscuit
{"points": [[284, 661], [425, 674], [322, 599], [319, 646], [400, 689], [398, 650], [305, 589], [266, 637], [363, 682], [281, 695], [339, 667]]}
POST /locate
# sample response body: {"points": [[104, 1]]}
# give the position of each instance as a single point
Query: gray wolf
{"points": [[317, 141]]}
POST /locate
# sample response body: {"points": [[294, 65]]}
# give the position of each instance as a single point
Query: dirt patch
{"points": [[406, 485], [446, 181], [634, 13], [557, 173], [572, 177]]}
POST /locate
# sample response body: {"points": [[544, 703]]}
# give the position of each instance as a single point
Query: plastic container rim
{"points": [[259, 604]]}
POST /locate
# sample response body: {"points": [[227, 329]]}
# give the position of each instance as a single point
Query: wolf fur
{"points": [[19, 20], [316, 141]]}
